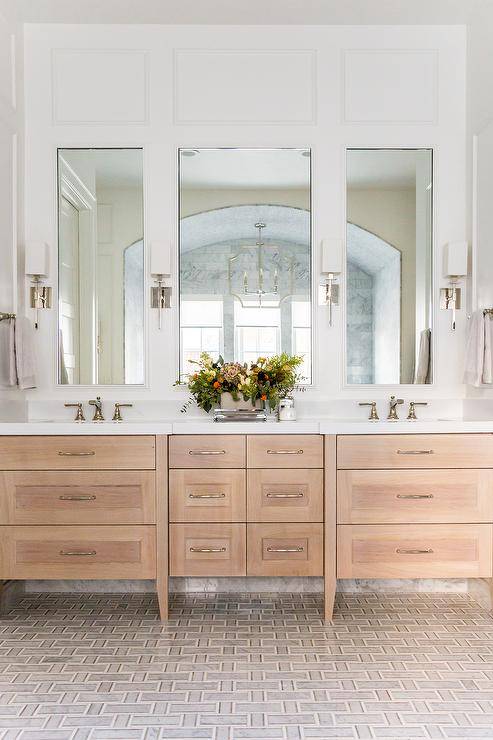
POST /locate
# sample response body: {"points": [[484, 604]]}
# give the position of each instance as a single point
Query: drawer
{"points": [[207, 550], [207, 451], [78, 552], [407, 496], [285, 495], [285, 550], [415, 451], [285, 451], [77, 453], [407, 551], [207, 495], [60, 497]]}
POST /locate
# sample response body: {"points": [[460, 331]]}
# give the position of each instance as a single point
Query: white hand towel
{"points": [[488, 349], [424, 356], [474, 363], [24, 353], [8, 372]]}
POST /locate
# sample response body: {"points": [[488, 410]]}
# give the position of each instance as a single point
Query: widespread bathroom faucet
{"points": [[392, 415], [98, 409]]}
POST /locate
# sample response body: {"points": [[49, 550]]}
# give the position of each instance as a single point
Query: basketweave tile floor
{"points": [[227, 667]]}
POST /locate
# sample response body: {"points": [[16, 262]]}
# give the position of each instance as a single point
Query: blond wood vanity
{"points": [[347, 506], [415, 506], [84, 507], [246, 505]]}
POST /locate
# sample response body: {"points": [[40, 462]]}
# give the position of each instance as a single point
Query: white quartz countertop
{"points": [[207, 426]]}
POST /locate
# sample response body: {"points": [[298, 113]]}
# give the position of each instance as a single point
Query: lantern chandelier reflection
{"points": [[260, 295]]}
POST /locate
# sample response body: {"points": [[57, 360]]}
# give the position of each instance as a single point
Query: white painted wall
{"points": [[327, 88], [11, 157]]}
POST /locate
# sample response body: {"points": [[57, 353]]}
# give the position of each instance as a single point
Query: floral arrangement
{"points": [[267, 380]]}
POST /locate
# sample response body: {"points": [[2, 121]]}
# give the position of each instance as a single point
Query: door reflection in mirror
{"points": [[101, 266], [389, 204]]}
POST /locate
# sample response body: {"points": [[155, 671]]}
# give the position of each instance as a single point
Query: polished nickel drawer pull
{"points": [[207, 452], [76, 454], [414, 552], [285, 495], [415, 452], [299, 548], [284, 452], [414, 495], [207, 549], [206, 495], [74, 497], [78, 552]]}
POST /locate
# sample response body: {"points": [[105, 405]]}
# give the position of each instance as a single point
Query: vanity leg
{"points": [[162, 524], [330, 528]]}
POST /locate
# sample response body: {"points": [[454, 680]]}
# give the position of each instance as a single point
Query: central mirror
{"points": [[245, 255]]}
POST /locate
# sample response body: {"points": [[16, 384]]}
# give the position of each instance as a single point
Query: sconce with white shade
{"points": [[331, 268], [160, 270], [36, 267], [455, 268]]}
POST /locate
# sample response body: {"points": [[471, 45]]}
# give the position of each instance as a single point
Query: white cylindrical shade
{"points": [[331, 256], [160, 258], [456, 258], [36, 259]]}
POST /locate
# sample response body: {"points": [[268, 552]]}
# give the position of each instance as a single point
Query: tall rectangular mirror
{"points": [[100, 266], [245, 255], [389, 245]]}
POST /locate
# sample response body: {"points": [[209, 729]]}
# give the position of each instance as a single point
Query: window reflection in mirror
{"points": [[101, 266], [245, 254], [389, 266]]}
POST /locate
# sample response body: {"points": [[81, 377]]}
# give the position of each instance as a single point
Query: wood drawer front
{"points": [[78, 453], [285, 496], [407, 551], [78, 552], [60, 497], [207, 495], [285, 550], [285, 451], [407, 496], [207, 550], [207, 451], [415, 451]]}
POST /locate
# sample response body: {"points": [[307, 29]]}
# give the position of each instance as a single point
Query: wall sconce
{"points": [[331, 268], [455, 268], [160, 269], [36, 266]]}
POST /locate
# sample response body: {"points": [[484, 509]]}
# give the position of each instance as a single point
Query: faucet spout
{"points": [[393, 403], [98, 409]]}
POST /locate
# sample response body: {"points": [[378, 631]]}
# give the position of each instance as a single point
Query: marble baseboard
{"points": [[261, 585]]}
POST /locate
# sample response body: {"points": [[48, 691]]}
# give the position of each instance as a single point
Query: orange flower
{"points": [[217, 384], [263, 397]]}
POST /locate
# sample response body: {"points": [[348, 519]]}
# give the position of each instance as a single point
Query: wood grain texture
{"points": [[207, 495], [207, 550], [407, 551], [421, 496], [285, 549], [284, 451], [330, 529], [81, 497], [285, 495], [356, 452], [78, 453], [207, 451], [65, 552], [161, 529]]}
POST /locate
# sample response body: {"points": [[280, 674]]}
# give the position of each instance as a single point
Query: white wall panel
{"points": [[223, 86], [93, 86], [390, 86]]}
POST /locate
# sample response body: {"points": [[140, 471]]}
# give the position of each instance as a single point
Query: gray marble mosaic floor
{"points": [[225, 667]]}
